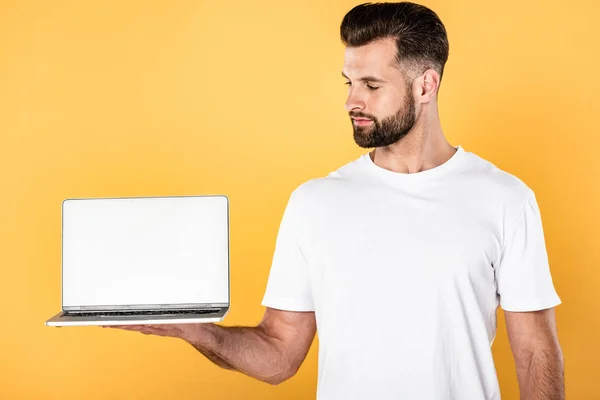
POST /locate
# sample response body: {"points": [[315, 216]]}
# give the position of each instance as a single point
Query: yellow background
{"points": [[128, 98]]}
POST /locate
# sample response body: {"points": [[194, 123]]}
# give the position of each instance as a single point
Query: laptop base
{"points": [[61, 319]]}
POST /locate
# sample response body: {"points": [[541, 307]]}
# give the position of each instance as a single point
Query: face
{"points": [[380, 104]]}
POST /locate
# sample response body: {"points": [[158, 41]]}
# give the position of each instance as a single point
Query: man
{"points": [[401, 257]]}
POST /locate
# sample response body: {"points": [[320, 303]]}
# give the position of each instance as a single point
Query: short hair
{"points": [[421, 38]]}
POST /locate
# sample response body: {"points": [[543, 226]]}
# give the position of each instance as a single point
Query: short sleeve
{"points": [[524, 281], [288, 286]]}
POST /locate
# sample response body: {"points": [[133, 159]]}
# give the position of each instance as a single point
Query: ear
{"points": [[427, 86]]}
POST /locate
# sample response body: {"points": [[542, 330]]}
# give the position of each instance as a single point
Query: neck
{"points": [[423, 148]]}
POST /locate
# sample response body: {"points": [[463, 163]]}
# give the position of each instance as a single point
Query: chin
{"points": [[362, 140]]}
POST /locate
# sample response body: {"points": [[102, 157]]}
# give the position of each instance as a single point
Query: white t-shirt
{"points": [[405, 273]]}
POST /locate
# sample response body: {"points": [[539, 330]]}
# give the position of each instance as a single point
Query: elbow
{"points": [[274, 381], [280, 376]]}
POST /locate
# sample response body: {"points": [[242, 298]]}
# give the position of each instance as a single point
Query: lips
{"points": [[362, 121]]}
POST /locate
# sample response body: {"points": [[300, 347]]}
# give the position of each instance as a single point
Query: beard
{"points": [[388, 130]]}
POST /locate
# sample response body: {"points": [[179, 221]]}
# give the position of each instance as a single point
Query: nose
{"points": [[354, 102]]}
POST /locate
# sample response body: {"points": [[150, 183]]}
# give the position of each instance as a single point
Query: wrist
{"points": [[200, 335]]}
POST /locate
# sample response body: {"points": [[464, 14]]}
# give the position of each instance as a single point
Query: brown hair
{"points": [[421, 38]]}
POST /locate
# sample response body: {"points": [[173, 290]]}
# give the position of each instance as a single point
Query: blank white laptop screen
{"points": [[156, 250]]}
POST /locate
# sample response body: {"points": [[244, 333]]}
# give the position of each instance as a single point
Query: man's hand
{"points": [[197, 335], [187, 332], [271, 352]]}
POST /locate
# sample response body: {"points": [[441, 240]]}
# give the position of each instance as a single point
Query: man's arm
{"points": [[537, 353], [271, 352]]}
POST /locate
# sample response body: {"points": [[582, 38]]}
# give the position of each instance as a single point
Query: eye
{"points": [[368, 86]]}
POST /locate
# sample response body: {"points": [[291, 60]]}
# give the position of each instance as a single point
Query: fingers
{"points": [[155, 330], [160, 330], [126, 327]]}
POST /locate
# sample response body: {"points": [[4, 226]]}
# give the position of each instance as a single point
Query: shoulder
{"points": [[334, 183], [495, 185]]}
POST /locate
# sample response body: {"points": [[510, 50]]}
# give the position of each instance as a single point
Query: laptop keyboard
{"points": [[140, 312]]}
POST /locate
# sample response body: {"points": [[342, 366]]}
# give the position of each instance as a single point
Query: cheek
{"points": [[385, 105]]}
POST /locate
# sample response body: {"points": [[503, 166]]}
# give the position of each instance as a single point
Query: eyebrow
{"points": [[366, 78]]}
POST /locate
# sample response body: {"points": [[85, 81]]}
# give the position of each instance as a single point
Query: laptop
{"points": [[144, 260]]}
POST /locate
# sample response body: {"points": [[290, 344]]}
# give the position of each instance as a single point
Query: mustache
{"points": [[361, 115]]}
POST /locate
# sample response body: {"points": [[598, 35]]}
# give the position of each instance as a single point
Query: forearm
{"points": [[249, 350], [541, 375]]}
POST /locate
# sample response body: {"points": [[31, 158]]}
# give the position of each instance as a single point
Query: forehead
{"points": [[375, 58]]}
